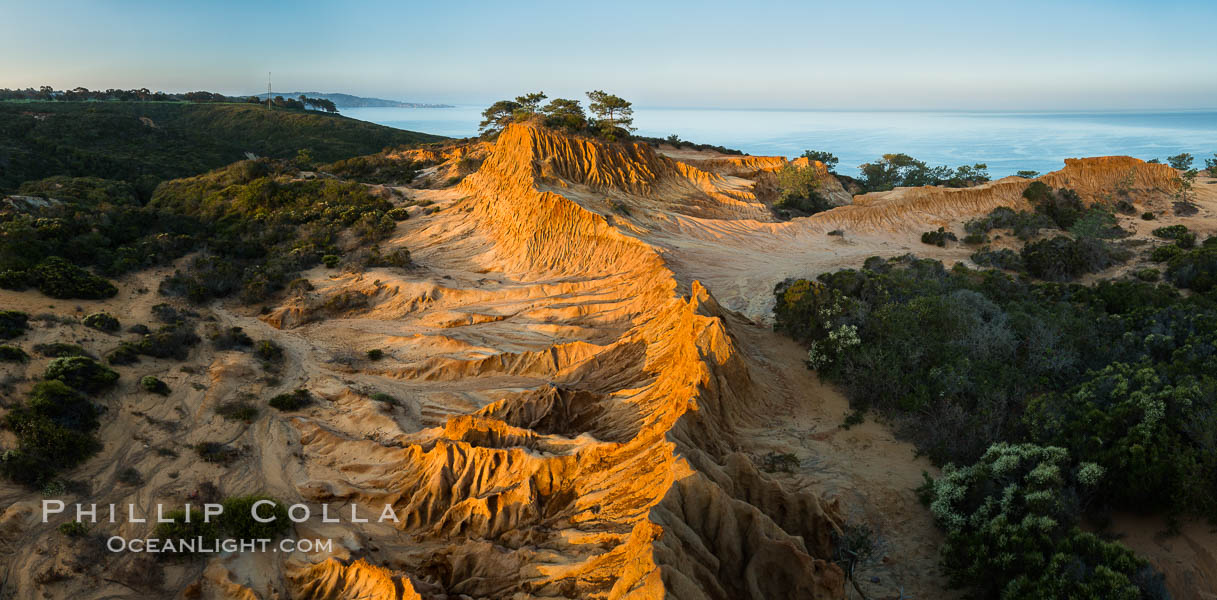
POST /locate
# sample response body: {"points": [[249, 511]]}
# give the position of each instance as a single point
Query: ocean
{"points": [[1006, 141]]}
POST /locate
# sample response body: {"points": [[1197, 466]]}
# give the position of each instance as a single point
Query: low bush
{"points": [[1147, 216], [129, 476], [1002, 258], [1024, 225], [74, 529], [237, 410], [1145, 426], [13, 323], [231, 338], [1097, 222], [938, 238], [268, 351], [238, 520], [1147, 274], [1063, 206], [331, 260], [293, 401], [169, 341], [153, 385], [375, 354], [102, 322], [54, 432], [1171, 232], [217, 452], [126, 353], [82, 373], [1064, 259], [1195, 270], [58, 278], [398, 214], [398, 257], [59, 349], [1011, 522], [1165, 253], [13, 354]]}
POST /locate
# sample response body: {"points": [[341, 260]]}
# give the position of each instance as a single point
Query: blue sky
{"points": [[862, 55]]}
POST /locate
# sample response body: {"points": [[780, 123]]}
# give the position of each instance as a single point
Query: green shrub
{"points": [[1063, 206], [938, 238], [82, 373], [129, 476], [53, 429], [398, 257], [58, 278], [293, 401], [268, 351], [153, 385], [1147, 216], [1097, 222], [1195, 270], [775, 462], [1170, 232], [1002, 258], [384, 398], [1147, 274], [59, 349], [13, 354], [74, 529], [331, 260], [12, 324], [237, 410], [398, 214], [233, 337], [799, 191], [62, 405], [1011, 529], [1165, 253], [216, 452], [169, 341], [102, 322], [1144, 428], [1024, 225], [376, 354], [238, 521], [1064, 259], [126, 353]]}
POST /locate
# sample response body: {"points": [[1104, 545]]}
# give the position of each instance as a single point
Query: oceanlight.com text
{"points": [[200, 545]]}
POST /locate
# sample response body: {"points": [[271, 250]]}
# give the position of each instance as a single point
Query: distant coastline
{"points": [[351, 101]]}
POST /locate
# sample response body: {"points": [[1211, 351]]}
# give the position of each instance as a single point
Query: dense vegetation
{"points": [[799, 192], [256, 221], [1050, 403], [264, 226], [144, 143]]}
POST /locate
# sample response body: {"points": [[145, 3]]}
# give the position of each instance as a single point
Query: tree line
{"points": [[81, 94], [613, 116]]}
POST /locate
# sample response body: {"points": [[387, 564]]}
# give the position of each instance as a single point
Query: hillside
{"points": [[146, 142], [563, 383]]}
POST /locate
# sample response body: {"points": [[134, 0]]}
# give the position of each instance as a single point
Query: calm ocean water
{"points": [[1007, 141]]}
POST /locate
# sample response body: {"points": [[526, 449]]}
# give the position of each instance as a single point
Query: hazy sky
{"points": [[843, 54]]}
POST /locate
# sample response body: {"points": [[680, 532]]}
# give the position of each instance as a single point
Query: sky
{"points": [[975, 55]]}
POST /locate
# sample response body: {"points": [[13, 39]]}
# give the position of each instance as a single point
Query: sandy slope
{"points": [[583, 394]]}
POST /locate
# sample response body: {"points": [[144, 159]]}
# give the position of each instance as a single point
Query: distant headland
{"points": [[350, 101]]}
